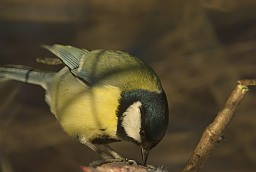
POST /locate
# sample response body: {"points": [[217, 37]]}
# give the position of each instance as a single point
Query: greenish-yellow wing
{"points": [[107, 67]]}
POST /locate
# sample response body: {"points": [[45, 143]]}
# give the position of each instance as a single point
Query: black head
{"points": [[143, 118]]}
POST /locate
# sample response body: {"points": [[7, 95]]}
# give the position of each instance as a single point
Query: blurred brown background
{"points": [[198, 48]]}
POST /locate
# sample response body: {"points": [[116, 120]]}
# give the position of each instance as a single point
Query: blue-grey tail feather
{"points": [[25, 74]]}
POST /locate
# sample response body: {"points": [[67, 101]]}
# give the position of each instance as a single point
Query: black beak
{"points": [[144, 153]]}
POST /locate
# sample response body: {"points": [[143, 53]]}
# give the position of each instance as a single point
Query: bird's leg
{"points": [[117, 157], [104, 155], [108, 157], [112, 152]]}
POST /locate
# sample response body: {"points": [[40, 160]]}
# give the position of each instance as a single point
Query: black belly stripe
{"points": [[104, 139]]}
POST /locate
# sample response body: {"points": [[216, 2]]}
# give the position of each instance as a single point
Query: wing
{"points": [[71, 57], [107, 67]]}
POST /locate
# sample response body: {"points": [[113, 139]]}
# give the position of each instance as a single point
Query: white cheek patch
{"points": [[132, 121]]}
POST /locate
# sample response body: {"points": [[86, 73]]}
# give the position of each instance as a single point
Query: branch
{"points": [[214, 132], [121, 166], [48, 60]]}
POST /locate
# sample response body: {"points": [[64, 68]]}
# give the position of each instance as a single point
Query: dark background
{"points": [[199, 49]]}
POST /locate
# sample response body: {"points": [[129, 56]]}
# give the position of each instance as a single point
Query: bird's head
{"points": [[143, 119]]}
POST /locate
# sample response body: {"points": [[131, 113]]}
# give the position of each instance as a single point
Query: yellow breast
{"points": [[81, 110]]}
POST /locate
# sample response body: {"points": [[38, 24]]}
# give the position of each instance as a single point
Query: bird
{"points": [[101, 96]]}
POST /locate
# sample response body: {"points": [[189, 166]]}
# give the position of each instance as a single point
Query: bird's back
{"points": [[108, 67]]}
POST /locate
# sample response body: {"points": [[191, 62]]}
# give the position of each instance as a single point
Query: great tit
{"points": [[102, 96]]}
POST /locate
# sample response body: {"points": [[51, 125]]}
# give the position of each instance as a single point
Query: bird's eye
{"points": [[142, 134], [144, 139]]}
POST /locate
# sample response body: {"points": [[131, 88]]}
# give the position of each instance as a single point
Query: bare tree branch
{"points": [[48, 60], [122, 166], [214, 132]]}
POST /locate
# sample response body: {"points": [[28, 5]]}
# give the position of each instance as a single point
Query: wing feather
{"points": [[71, 56]]}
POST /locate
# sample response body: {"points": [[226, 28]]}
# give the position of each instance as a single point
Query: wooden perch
{"points": [[214, 132], [121, 166]]}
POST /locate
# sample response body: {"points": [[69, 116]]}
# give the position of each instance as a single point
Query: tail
{"points": [[25, 74]]}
